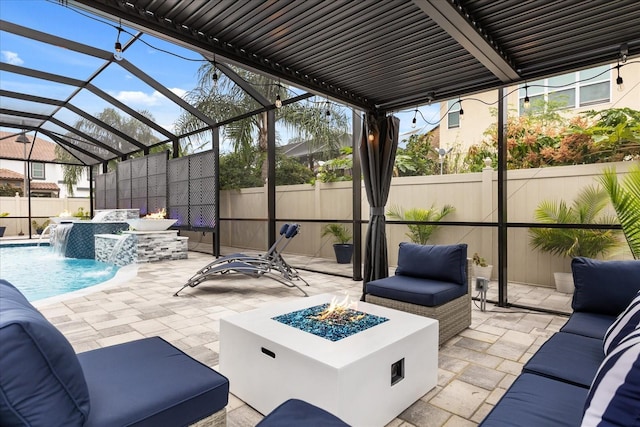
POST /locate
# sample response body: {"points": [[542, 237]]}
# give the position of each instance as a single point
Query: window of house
{"points": [[453, 116], [37, 170], [571, 90]]}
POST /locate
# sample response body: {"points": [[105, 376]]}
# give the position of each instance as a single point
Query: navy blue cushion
{"points": [[149, 382], [41, 382], [588, 324], [568, 357], [445, 263], [614, 397], [537, 401], [297, 413], [605, 287], [627, 322], [426, 292]]}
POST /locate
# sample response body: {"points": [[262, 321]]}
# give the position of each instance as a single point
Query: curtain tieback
{"points": [[376, 211]]}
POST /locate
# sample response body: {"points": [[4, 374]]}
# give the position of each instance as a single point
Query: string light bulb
{"points": [[278, 102], [413, 122], [619, 80], [371, 135], [117, 49], [327, 113], [527, 103], [461, 112], [214, 77]]}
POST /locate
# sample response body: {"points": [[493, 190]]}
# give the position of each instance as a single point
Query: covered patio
{"points": [[378, 59]]}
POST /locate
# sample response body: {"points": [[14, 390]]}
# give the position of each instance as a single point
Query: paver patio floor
{"points": [[475, 367]]}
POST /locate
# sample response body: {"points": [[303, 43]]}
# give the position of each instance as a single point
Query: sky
{"points": [[178, 74]]}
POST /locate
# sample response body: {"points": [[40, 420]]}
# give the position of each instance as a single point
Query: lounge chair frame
{"points": [[271, 264]]}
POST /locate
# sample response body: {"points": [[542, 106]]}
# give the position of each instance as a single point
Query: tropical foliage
{"points": [[545, 138], [420, 233], [226, 100], [339, 232], [587, 208], [337, 169], [625, 197]]}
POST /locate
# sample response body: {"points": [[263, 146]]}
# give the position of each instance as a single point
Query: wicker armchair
{"points": [[432, 281]]}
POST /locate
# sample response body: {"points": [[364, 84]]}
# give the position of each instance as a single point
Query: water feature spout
{"points": [[49, 228], [60, 238], [117, 247]]}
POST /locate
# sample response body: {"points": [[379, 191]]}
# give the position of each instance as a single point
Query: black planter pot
{"points": [[2, 231], [343, 251]]}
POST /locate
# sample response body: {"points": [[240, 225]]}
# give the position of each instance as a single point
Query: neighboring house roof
{"points": [[43, 151], [9, 175], [304, 148], [40, 185]]}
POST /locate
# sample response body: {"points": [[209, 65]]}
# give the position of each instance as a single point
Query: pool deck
{"points": [[475, 367]]}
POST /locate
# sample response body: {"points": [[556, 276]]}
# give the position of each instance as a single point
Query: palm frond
{"points": [[625, 198]]}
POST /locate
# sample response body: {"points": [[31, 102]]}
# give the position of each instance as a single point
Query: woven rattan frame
{"points": [[453, 317], [219, 419]]}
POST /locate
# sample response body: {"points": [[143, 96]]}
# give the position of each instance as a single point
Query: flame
{"points": [[340, 312], [161, 214]]}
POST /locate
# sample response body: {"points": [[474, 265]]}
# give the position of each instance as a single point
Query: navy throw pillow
{"points": [[446, 263], [41, 381], [604, 287]]}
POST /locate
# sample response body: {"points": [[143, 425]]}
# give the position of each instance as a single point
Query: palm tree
{"points": [[573, 242], [420, 233], [625, 197], [229, 100], [130, 126]]}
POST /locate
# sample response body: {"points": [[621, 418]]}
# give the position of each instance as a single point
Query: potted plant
{"points": [[574, 242], [480, 267], [342, 238], [2, 227], [39, 227]]}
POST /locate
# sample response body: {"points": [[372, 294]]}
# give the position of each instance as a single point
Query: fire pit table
{"points": [[366, 378]]}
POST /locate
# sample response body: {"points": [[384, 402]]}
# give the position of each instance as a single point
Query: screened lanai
{"points": [[377, 58]]}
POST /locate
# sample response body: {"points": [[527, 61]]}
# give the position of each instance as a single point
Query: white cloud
{"points": [[11, 57], [142, 99]]}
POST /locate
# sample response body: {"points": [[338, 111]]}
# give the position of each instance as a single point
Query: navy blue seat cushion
{"points": [[627, 322], [297, 413], [149, 382], [568, 357], [414, 290], [537, 401], [443, 263], [41, 381], [605, 287], [614, 397], [588, 324]]}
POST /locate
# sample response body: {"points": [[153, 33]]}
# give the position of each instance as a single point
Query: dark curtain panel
{"points": [[377, 154]]}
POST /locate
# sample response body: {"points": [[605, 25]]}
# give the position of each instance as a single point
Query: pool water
{"points": [[40, 273]]}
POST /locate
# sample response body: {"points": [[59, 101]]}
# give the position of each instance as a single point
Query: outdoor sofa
{"points": [[431, 281], [588, 373], [147, 382]]}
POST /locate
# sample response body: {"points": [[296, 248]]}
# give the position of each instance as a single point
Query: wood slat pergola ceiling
{"points": [[382, 55]]}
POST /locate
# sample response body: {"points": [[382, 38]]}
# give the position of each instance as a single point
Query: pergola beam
{"points": [[458, 26]]}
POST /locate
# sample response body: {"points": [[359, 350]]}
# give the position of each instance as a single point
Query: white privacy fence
{"points": [[474, 197]]}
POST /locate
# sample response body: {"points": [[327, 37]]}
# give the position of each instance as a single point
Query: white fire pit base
{"points": [[366, 379]]}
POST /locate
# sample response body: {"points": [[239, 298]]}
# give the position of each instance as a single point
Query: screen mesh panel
{"points": [[124, 185], [192, 191]]}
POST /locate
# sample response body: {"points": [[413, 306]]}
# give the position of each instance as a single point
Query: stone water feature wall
{"points": [[140, 247]]}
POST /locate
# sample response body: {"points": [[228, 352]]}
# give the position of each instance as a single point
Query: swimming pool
{"points": [[39, 273]]}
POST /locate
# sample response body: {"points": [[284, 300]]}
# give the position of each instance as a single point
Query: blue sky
{"points": [[177, 74]]}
